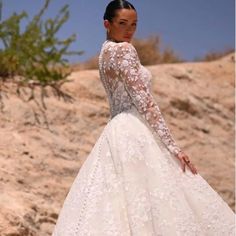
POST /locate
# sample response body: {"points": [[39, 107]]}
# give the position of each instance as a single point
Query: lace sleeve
{"points": [[128, 66]]}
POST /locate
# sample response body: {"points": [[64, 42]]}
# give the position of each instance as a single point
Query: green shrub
{"points": [[35, 53]]}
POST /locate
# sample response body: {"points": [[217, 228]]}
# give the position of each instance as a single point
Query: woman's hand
{"points": [[184, 160]]}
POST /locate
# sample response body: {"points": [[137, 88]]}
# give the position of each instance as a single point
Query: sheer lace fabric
{"points": [[127, 83], [130, 183]]}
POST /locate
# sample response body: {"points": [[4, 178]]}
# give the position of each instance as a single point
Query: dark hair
{"points": [[115, 5]]}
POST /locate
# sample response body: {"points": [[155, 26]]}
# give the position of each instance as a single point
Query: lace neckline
{"points": [[114, 41]]}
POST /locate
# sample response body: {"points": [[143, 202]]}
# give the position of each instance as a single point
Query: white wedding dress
{"points": [[131, 184]]}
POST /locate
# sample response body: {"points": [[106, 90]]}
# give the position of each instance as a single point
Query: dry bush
{"points": [[169, 56], [91, 64], [212, 56], [149, 51]]}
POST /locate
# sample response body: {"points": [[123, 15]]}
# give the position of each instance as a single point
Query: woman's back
{"points": [[113, 58]]}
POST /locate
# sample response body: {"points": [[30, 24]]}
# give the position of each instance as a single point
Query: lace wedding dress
{"points": [[131, 183]]}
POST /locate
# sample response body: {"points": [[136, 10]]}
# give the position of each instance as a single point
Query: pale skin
{"points": [[121, 29]]}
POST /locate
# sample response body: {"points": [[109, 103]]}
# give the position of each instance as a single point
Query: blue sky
{"points": [[191, 28]]}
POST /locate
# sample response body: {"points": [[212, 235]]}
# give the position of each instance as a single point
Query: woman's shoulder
{"points": [[120, 51], [119, 47]]}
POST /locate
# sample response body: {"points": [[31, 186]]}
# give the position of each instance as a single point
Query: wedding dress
{"points": [[131, 184]]}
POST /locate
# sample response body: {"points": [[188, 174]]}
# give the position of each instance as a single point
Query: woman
{"points": [[135, 181]]}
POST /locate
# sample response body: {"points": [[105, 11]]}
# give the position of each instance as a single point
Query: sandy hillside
{"points": [[38, 164]]}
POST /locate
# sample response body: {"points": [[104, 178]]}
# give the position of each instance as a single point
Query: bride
{"points": [[137, 181]]}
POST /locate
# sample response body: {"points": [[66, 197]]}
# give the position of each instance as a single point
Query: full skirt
{"points": [[131, 185]]}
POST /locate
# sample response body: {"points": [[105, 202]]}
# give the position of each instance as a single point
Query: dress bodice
{"points": [[128, 84], [118, 97]]}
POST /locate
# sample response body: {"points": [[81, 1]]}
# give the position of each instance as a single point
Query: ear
{"points": [[106, 24]]}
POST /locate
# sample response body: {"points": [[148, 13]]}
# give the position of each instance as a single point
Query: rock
{"points": [[39, 161]]}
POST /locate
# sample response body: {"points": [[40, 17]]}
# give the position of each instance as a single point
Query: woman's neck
{"points": [[113, 40]]}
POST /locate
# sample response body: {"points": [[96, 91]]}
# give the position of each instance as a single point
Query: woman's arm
{"points": [[128, 66]]}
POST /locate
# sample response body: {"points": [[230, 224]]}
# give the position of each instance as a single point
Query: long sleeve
{"points": [[128, 66]]}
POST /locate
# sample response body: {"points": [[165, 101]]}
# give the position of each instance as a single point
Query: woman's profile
{"points": [[137, 181]]}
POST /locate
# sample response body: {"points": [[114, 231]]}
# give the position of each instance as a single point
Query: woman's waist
{"points": [[130, 113], [124, 110]]}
